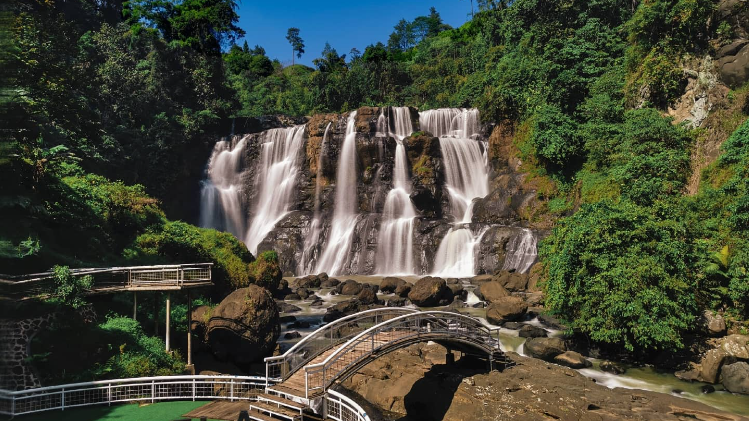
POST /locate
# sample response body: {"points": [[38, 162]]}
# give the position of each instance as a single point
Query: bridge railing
{"points": [[326, 337], [142, 389], [341, 408], [113, 278], [428, 325]]}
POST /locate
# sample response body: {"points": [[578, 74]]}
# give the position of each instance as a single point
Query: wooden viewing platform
{"points": [[112, 279]]}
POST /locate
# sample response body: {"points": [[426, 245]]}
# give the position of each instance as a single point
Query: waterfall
{"points": [[395, 239], [451, 122], [275, 180], [455, 255], [221, 198], [311, 241], [336, 253], [466, 175], [521, 252], [467, 178]]}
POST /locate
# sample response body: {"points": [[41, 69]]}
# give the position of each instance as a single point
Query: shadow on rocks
{"points": [[431, 396]]}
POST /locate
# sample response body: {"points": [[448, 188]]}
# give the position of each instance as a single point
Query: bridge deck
{"points": [[107, 280], [295, 384]]}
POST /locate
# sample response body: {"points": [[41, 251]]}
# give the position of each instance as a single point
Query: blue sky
{"points": [[344, 24]]}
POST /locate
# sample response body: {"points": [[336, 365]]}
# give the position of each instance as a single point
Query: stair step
{"points": [[279, 400], [257, 416], [275, 410]]}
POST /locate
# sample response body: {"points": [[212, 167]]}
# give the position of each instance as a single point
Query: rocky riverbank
{"points": [[416, 384]]}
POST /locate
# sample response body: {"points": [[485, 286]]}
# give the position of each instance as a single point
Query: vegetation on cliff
{"points": [[134, 91]]}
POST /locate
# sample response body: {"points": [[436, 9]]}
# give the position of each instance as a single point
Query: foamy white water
{"points": [[395, 238], [276, 181], [336, 254]]}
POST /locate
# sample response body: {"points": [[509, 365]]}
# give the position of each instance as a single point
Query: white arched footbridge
{"points": [[339, 349]]}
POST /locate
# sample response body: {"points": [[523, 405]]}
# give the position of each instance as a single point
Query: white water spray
{"points": [[336, 253], [275, 181], [221, 192], [395, 239]]}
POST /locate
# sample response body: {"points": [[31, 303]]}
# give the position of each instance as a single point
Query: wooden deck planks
{"points": [[219, 410], [296, 382]]}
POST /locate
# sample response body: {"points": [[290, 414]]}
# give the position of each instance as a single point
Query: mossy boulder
{"points": [[265, 271], [244, 327]]}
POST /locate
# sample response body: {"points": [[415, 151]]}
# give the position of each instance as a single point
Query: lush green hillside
{"points": [[136, 91]]}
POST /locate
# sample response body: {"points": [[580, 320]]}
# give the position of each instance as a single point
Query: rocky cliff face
{"points": [[496, 218]]}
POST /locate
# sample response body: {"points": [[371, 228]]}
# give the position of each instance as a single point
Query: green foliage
{"points": [[133, 353], [620, 274], [554, 136], [69, 289], [178, 242], [115, 348], [719, 216], [298, 45], [265, 270]]}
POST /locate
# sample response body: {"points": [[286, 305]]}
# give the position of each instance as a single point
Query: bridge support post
{"points": [[135, 303], [156, 314], [189, 329], [167, 326]]}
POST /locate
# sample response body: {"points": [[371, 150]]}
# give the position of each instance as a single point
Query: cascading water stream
{"points": [[311, 241], [395, 239], [275, 181], [521, 252], [466, 179], [221, 199], [335, 256]]}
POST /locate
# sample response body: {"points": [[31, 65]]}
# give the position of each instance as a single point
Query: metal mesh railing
{"points": [[341, 408], [107, 279], [328, 336], [427, 325], [145, 389]]}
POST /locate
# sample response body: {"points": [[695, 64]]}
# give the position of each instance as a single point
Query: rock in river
{"points": [[244, 327]]}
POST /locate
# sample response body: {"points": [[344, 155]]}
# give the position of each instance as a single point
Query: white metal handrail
{"points": [[433, 323], [107, 279], [341, 408], [282, 366], [150, 389]]}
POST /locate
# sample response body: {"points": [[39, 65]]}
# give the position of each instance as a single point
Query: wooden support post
{"points": [[135, 303], [189, 330], [169, 309]]}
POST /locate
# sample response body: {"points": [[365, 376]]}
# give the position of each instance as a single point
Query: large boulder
{"points": [[244, 327], [492, 291], [572, 359], [711, 364], [390, 283], [736, 346], [349, 287], [429, 292], [512, 281], [265, 270], [713, 324], [506, 309], [309, 281], [544, 348], [529, 331], [403, 290], [733, 63], [367, 296], [734, 377]]}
